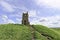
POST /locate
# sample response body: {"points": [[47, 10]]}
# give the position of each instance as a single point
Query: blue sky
{"points": [[45, 12]]}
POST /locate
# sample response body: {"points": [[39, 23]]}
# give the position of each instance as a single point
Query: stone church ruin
{"points": [[25, 20]]}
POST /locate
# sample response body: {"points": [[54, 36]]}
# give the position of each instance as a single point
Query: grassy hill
{"points": [[57, 29], [22, 32], [46, 32]]}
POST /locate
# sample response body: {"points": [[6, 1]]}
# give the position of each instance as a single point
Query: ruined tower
{"points": [[25, 20]]}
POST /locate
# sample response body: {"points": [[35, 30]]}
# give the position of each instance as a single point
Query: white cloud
{"points": [[10, 21], [49, 3], [6, 19], [19, 20], [23, 8], [52, 21], [32, 13], [7, 7], [12, 7]]}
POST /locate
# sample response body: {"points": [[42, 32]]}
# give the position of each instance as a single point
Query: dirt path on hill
{"points": [[33, 33], [45, 35]]}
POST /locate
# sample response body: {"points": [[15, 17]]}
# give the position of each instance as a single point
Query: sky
{"points": [[42, 12]]}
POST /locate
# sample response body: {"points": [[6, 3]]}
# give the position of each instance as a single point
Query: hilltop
{"points": [[22, 32]]}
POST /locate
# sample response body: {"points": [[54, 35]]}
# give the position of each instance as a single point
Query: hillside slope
{"points": [[14, 32], [57, 29], [48, 33], [22, 32]]}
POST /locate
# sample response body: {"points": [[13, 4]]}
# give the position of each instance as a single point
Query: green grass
{"points": [[22, 32], [38, 36], [50, 32], [57, 29], [15, 32]]}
